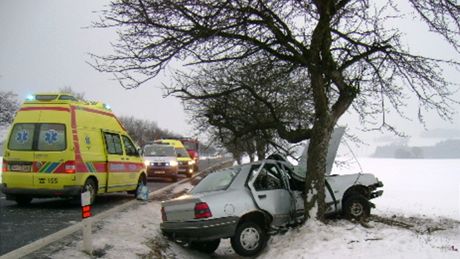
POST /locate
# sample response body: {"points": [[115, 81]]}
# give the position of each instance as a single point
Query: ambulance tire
{"points": [[22, 200], [142, 181], [91, 186]]}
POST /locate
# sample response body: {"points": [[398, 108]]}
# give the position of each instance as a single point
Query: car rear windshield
{"points": [[217, 181], [37, 137], [159, 150]]}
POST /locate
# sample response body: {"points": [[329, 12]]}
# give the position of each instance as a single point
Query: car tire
{"points": [[207, 247], [174, 178], [356, 207], [249, 239], [91, 187], [22, 200]]}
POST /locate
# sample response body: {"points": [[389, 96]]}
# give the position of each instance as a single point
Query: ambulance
{"points": [[59, 146], [186, 163]]}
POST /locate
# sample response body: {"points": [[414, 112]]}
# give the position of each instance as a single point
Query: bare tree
{"points": [[349, 57], [247, 103], [8, 106]]}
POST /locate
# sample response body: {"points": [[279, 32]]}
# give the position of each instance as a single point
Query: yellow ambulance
{"points": [[186, 163], [59, 146]]}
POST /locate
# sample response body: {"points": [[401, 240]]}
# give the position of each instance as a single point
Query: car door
{"points": [[271, 193]]}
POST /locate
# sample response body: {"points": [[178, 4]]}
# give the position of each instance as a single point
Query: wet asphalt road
{"points": [[20, 226]]}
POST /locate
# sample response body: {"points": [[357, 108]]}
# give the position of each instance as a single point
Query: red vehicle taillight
{"points": [[202, 210], [163, 214], [70, 167], [4, 166]]}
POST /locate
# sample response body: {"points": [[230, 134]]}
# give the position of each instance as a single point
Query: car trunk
{"points": [[180, 209]]}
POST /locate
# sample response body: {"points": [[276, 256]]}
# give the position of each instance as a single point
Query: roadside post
{"points": [[86, 214]]}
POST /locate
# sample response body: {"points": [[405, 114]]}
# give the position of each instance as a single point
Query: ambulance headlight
{"points": [[191, 162], [146, 163]]}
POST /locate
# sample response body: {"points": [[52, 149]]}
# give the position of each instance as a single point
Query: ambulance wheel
{"points": [[91, 187], [142, 181], [23, 200]]}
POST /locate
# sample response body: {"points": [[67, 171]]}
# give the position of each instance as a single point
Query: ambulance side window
{"points": [[129, 147], [113, 143]]}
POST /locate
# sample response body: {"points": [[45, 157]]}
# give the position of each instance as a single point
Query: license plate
{"points": [[20, 168], [160, 172], [182, 170]]}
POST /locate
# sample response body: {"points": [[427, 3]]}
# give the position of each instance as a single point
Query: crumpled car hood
{"points": [[300, 171]]}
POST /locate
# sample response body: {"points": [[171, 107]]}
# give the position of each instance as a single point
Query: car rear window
{"points": [[217, 181], [38, 137]]}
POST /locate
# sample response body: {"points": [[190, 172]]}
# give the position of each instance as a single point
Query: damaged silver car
{"points": [[248, 203]]}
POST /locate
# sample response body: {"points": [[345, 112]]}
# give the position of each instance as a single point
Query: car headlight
{"points": [[191, 162], [173, 163]]}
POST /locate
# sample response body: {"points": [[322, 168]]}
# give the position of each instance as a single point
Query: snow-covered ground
{"points": [[420, 207]]}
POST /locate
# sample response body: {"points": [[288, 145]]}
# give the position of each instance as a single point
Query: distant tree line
{"points": [[443, 149], [144, 131]]}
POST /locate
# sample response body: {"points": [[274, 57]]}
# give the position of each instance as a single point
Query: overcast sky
{"points": [[44, 46]]}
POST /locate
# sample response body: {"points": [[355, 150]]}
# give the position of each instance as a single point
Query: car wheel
{"points": [[91, 187], [205, 246], [356, 207], [249, 239], [174, 178], [23, 200]]}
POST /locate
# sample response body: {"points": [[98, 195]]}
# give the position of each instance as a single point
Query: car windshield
{"points": [[217, 181], [159, 150]]}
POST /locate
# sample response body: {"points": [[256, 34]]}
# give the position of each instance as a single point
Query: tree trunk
{"points": [[315, 205], [323, 125]]}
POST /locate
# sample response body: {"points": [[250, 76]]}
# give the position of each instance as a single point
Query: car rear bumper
{"points": [[41, 193], [200, 230]]}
